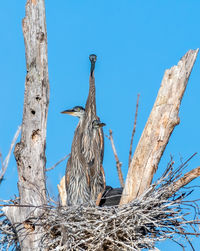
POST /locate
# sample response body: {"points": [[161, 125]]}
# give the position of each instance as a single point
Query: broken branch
{"points": [[4, 163], [187, 178], [118, 163], [133, 132], [161, 123]]}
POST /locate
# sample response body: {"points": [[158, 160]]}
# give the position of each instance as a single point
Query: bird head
{"points": [[77, 111], [93, 58], [97, 124]]}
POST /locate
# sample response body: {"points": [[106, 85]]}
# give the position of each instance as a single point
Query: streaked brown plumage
{"points": [[85, 178], [76, 176], [92, 146]]}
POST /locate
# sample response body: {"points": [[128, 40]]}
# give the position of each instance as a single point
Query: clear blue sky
{"points": [[135, 42]]}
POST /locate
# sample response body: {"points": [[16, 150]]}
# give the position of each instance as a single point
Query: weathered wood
{"points": [[4, 164], [133, 132], [62, 191], [30, 152], [118, 163], [161, 122], [183, 181]]}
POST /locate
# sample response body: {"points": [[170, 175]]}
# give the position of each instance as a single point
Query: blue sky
{"points": [[135, 42]]}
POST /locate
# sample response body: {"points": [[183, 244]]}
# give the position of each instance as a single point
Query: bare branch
{"points": [[118, 163], [61, 187], [133, 132], [187, 178], [2, 168], [6, 161], [55, 165], [161, 123]]}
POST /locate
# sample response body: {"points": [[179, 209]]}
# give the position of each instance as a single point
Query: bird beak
{"points": [[70, 112], [101, 124]]}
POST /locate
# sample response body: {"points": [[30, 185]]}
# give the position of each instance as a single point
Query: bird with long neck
{"points": [[90, 107], [77, 181], [85, 179], [92, 146], [98, 182], [90, 113]]}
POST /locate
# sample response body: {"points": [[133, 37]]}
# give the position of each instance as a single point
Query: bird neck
{"points": [[91, 100], [81, 118], [92, 68]]}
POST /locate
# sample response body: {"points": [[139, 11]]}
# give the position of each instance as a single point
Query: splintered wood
{"points": [[62, 191], [161, 122], [30, 151]]}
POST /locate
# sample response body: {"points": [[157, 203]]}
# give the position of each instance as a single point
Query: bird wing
{"points": [[67, 172], [82, 159], [101, 136]]}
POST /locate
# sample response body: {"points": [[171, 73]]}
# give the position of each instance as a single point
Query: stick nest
{"points": [[155, 216]]}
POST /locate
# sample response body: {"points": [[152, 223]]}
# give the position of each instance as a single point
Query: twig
{"points": [[118, 163], [2, 165], [187, 178], [133, 132], [6, 161], [55, 165], [183, 232]]}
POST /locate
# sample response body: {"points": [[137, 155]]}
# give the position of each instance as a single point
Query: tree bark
{"points": [[161, 122], [30, 151]]}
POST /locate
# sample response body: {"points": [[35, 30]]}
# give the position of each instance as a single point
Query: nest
{"points": [[155, 216], [8, 236]]}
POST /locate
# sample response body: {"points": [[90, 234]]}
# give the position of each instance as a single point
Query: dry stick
{"points": [[6, 161], [185, 234], [118, 163], [187, 178], [61, 187], [55, 165], [161, 123], [2, 165], [133, 132]]}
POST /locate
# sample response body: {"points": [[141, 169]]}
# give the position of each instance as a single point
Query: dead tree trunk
{"points": [[162, 121], [30, 151]]}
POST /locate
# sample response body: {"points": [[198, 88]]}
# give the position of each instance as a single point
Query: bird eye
{"points": [[77, 109]]}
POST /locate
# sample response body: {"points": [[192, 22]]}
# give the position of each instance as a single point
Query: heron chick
{"points": [[77, 180], [96, 124], [77, 111], [85, 178], [93, 59]]}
